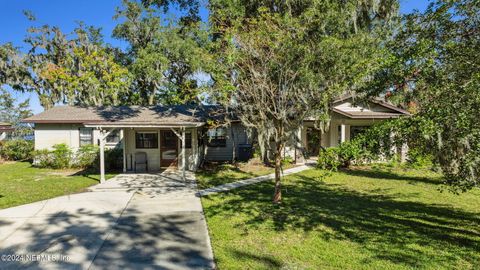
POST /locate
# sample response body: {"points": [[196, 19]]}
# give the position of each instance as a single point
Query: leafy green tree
{"points": [[11, 73], [434, 69], [79, 70], [13, 112], [164, 55]]}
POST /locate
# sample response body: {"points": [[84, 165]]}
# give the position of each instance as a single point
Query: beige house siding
{"points": [[48, 135]]}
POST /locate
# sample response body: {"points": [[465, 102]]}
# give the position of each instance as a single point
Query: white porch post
{"points": [[103, 137], [342, 133], [183, 154], [182, 138], [122, 134], [102, 157]]}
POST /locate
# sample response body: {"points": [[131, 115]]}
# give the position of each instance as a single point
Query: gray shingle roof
{"points": [[132, 115]]}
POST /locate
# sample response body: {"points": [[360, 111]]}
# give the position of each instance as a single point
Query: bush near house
{"points": [[375, 144], [62, 157], [86, 157], [328, 159], [343, 156], [16, 150]]}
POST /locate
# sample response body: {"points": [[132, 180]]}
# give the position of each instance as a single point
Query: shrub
{"points": [[349, 152], [418, 159], [287, 160], [342, 156], [17, 150], [62, 156], [42, 158], [113, 159], [86, 156], [328, 159]]}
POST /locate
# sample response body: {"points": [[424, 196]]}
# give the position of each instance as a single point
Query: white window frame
{"points": [[81, 137]]}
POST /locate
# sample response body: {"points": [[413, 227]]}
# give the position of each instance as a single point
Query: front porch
{"points": [[152, 149]]}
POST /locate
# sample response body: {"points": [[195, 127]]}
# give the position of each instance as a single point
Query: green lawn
{"points": [[371, 218], [20, 183]]}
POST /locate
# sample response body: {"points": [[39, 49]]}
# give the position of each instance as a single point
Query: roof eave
{"points": [[365, 116], [38, 121], [143, 125]]}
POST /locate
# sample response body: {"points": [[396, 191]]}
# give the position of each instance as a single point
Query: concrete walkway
{"points": [[246, 182], [141, 221]]}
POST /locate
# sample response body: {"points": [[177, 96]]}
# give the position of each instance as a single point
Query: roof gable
{"points": [[366, 109]]}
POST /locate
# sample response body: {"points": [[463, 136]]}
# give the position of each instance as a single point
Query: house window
{"points": [[217, 137], [188, 140], [146, 140], [113, 137], [86, 136]]}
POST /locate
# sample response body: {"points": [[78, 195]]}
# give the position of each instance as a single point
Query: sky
{"points": [[65, 14]]}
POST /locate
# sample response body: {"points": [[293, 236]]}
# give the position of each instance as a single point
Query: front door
{"points": [[168, 148], [313, 142]]}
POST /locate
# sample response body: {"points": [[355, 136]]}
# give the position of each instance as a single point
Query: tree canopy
{"points": [[278, 63], [164, 54], [433, 69]]}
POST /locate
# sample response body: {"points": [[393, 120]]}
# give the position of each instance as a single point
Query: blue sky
{"points": [[65, 13]]}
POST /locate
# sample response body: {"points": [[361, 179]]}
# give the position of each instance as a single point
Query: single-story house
{"points": [[178, 135], [5, 130]]}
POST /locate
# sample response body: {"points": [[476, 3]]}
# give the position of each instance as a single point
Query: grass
{"points": [[217, 174], [20, 183], [365, 218]]}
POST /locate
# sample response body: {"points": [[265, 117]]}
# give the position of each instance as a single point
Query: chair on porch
{"points": [[142, 160]]}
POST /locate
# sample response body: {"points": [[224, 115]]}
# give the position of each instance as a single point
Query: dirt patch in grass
{"points": [[65, 173]]}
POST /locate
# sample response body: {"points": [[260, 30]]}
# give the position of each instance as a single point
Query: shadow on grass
{"points": [[94, 174], [265, 260], [392, 230], [382, 174]]}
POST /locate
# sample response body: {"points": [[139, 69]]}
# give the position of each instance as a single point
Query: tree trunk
{"points": [[263, 145], [277, 197], [234, 145], [151, 99]]}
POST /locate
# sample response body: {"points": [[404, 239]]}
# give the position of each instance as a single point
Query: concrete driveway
{"points": [[141, 221]]}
